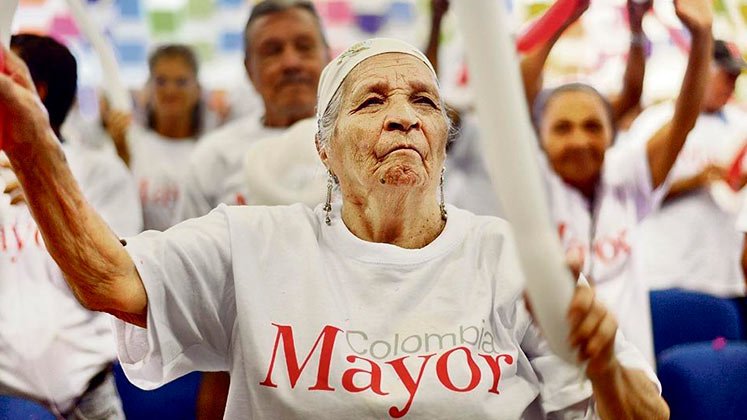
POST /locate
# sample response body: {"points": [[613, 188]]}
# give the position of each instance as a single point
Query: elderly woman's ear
{"points": [[321, 149]]}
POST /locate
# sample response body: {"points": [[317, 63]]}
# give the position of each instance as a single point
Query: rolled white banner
{"points": [[7, 11], [116, 92], [508, 141]]}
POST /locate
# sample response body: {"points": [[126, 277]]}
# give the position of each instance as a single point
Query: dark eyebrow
{"points": [[380, 87], [419, 87]]}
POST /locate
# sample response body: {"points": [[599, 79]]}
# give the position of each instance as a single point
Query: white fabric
{"points": [[741, 223], [286, 169], [691, 242], [158, 164], [215, 172], [221, 288], [467, 183], [335, 71], [623, 198], [50, 346]]}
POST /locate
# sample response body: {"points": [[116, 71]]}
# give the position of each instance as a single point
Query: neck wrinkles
{"points": [[409, 220]]}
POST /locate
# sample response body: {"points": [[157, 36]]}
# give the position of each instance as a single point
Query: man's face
{"points": [[285, 56], [720, 88]]}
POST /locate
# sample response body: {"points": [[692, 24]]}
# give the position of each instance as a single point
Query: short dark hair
{"points": [[270, 7], [51, 64], [189, 57], [544, 98], [175, 50]]}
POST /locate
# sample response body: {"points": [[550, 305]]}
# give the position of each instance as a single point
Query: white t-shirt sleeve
{"points": [[741, 223], [562, 386], [188, 277]]}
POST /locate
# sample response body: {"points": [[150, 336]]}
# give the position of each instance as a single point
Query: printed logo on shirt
{"points": [[609, 250], [160, 194], [373, 363], [19, 236]]}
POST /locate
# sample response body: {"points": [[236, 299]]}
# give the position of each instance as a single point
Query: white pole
{"points": [[116, 92], [7, 11], [509, 143]]}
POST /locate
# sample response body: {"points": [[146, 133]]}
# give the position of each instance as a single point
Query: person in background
{"points": [[52, 349], [285, 51], [598, 194], [705, 256], [156, 153]]}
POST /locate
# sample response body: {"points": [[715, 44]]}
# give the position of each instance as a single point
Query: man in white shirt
{"points": [[52, 350], [691, 241], [285, 53]]}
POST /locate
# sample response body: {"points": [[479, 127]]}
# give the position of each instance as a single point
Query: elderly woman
{"points": [[385, 303]]}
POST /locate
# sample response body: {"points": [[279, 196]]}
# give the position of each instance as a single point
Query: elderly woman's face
{"points": [[391, 129]]}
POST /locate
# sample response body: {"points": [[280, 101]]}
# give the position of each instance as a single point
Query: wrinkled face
{"points": [[391, 130], [575, 132], [175, 88], [719, 90], [285, 56]]}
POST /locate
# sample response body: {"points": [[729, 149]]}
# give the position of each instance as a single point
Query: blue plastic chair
{"points": [[700, 382], [682, 317], [175, 400], [15, 408]]}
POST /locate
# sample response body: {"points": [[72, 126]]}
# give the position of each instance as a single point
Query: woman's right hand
{"points": [[115, 122], [22, 114]]}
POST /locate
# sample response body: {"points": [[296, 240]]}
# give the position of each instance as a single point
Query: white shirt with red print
{"points": [[159, 165], [50, 346], [692, 242], [216, 171], [314, 323], [601, 234]]}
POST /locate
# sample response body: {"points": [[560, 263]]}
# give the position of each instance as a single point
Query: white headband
{"points": [[338, 69]]}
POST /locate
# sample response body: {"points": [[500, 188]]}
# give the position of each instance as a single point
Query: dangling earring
{"points": [[442, 206], [328, 204]]}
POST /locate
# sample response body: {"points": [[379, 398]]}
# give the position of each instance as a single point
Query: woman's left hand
{"points": [[593, 330]]}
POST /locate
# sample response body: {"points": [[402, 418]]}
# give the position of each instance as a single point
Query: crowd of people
{"points": [[341, 253]]}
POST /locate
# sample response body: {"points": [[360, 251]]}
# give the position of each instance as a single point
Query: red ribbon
{"points": [[735, 169], [544, 28]]}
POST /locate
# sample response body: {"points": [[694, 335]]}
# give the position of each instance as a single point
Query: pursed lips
{"points": [[399, 147]]}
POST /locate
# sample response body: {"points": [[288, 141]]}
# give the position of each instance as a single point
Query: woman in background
{"points": [[156, 153]]}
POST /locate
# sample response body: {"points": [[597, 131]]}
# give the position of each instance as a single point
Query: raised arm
{"points": [[635, 70], [438, 10], [533, 63], [665, 144], [99, 270]]}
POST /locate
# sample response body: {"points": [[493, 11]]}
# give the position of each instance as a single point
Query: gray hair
{"points": [[270, 7], [328, 123]]}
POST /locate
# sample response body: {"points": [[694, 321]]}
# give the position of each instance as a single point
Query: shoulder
{"points": [[230, 132], [491, 236], [272, 219]]}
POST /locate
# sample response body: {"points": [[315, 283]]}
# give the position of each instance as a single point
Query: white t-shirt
{"points": [[313, 322], [286, 169], [216, 168], [691, 242], [159, 166], [50, 346], [624, 197]]}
